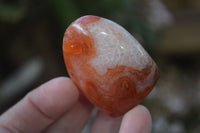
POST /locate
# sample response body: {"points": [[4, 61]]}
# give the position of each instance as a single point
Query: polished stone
{"points": [[108, 64]]}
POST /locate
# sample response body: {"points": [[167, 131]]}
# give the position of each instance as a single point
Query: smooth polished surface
{"points": [[108, 64]]}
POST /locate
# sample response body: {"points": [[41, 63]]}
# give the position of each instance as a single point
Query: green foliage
{"points": [[11, 13], [66, 11], [60, 13]]}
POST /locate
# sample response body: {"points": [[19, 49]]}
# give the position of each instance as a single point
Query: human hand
{"points": [[56, 107]]}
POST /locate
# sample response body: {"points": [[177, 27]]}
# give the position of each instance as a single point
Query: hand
{"points": [[56, 107]]}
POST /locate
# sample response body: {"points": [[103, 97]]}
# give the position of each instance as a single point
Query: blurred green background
{"points": [[31, 33]]}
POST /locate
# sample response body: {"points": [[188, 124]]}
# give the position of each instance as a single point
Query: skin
{"points": [[58, 107]]}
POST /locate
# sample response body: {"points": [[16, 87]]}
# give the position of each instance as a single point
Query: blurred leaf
{"points": [[66, 11], [11, 13]]}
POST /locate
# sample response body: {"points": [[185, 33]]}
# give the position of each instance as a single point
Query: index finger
{"points": [[41, 107]]}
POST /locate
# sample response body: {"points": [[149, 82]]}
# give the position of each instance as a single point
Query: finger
{"points": [[106, 124], [40, 107], [137, 120], [73, 120]]}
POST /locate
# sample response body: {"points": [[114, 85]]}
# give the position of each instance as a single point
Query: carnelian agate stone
{"points": [[108, 64]]}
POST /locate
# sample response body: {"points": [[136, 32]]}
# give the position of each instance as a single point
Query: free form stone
{"points": [[108, 64]]}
